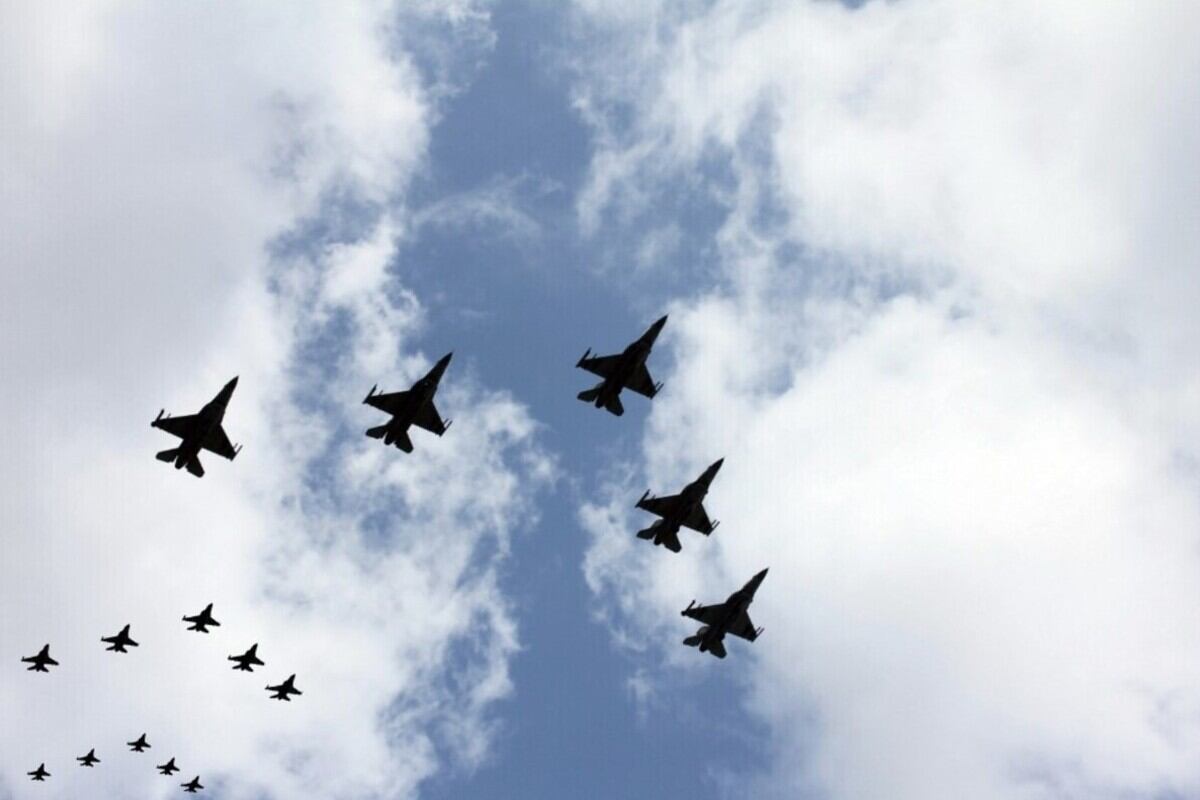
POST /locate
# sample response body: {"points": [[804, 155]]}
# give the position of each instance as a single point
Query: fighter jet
{"points": [[284, 689], [39, 774], [685, 509], [626, 370], [247, 660], [40, 661], [168, 768], [727, 617], [193, 785], [90, 759], [118, 643], [203, 620], [139, 745], [414, 407], [200, 431]]}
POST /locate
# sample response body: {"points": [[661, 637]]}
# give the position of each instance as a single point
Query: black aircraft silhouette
{"points": [[119, 642], [200, 431], [203, 620], [284, 689], [728, 617], [193, 785], [685, 509], [414, 407], [625, 370], [39, 774], [247, 660], [139, 744], [90, 759], [40, 661], [168, 768]]}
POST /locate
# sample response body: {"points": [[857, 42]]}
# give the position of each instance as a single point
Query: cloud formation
{"points": [[949, 362]]}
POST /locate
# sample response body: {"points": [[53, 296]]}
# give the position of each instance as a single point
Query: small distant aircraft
{"points": [[685, 509], [248, 660], [728, 617], [625, 370], [198, 432], [414, 407], [168, 768], [139, 745], [202, 621], [90, 759], [284, 689], [119, 642], [40, 661], [193, 785], [39, 774]]}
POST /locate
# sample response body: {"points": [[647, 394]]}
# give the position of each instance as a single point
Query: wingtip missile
{"points": [[584, 357], [644, 498], [371, 393], [691, 605]]}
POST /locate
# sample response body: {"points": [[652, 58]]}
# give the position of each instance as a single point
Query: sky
{"points": [[930, 276]]}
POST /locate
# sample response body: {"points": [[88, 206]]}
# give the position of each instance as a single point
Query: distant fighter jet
{"points": [[727, 617], [247, 660], [90, 759], [626, 370], [414, 407], [193, 785], [203, 620], [119, 642], [200, 431], [685, 509], [40, 661], [168, 768], [284, 689], [39, 774], [139, 744]]}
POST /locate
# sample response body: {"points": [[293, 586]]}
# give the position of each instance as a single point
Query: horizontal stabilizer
{"points": [[194, 467], [377, 433], [589, 395], [647, 533], [614, 406], [167, 455], [692, 641], [403, 442]]}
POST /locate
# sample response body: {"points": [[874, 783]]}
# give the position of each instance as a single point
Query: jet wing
{"points": [[708, 615], [743, 627], [697, 519], [177, 426], [641, 382], [217, 442], [603, 366], [429, 419], [660, 506], [392, 403]]}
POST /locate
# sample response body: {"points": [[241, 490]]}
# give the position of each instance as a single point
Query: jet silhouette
{"points": [[139, 744], [198, 432], [284, 689], [247, 660], [203, 620], [168, 768], [728, 617], [193, 785], [90, 759], [414, 407], [685, 509], [625, 370], [119, 642], [40, 661], [39, 774]]}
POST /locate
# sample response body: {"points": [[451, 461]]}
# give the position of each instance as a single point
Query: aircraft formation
{"points": [[204, 431]]}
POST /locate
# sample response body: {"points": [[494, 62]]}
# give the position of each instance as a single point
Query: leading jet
{"points": [[201, 431], [625, 370], [139, 745], [168, 768], [201, 622], [39, 774], [41, 661], [414, 407], [118, 643], [728, 617], [90, 759], [284, 689], [248, 660], [192, 786], [685, 509]]}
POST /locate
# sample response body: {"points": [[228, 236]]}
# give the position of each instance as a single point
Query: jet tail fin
{"points": [[377, 433], [167, 455]]}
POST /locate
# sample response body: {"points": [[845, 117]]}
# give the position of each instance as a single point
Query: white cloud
{"points": [[960, 426], [152, 159]]}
